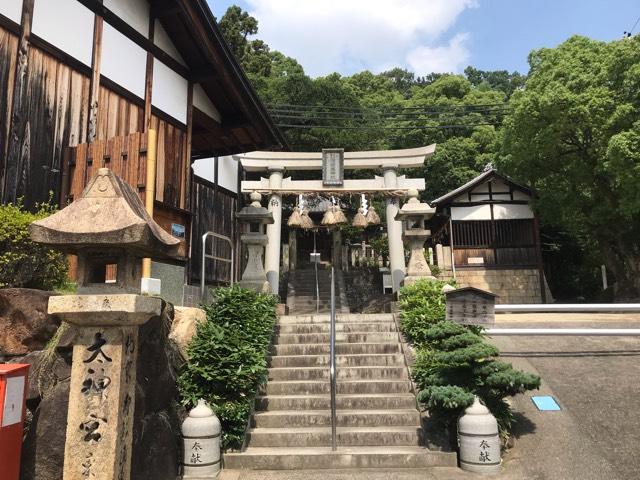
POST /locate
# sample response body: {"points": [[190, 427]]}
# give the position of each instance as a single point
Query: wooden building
{"points": [[486, 235], [83, 82]]}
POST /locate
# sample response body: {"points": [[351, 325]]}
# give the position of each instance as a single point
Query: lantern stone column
{"points": [[415, 214], [253, 217], [394, 229], [103, 381], [272, 253], [107, 225]]}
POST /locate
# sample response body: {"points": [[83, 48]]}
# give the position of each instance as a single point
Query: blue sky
{"points": [[348, 36]]}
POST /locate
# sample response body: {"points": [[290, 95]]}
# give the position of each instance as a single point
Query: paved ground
{"points": [[596, 436]]}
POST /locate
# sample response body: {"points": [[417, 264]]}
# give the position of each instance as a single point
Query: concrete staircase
{"points": [[301, 296], [378, 422]]}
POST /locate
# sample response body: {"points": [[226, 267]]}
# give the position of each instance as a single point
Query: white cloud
{"points": [[351, 35], [444, 58]]}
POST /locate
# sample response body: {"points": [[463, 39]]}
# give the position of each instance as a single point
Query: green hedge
{"points": [[228, 357], [23, 263], [454, 362]]}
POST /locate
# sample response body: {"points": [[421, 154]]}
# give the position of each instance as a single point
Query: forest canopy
{"points": [[570, 129]]}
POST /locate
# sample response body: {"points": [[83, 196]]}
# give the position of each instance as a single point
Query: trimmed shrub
{"points": [[23, 263], [228, 357], [454, 362]]}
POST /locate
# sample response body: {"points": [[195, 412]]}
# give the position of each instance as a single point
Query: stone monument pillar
{"points": [[415, 214], [253, 218], [107, 225], [272, 254], [394, 229]]}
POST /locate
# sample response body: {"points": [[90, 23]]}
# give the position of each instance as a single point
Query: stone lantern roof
{"points": [[255, 213], [107, 215], [415, 208]]}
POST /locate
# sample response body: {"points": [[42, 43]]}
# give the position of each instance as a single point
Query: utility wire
{"points": [[634, 26], [366, 127], [285, 106]]}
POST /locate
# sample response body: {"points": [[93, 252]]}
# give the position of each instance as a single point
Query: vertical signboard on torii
{"points": [[333, 167]]}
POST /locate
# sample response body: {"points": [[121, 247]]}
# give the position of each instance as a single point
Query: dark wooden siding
{"points": [[8, 54], [213, 210], [500, 243], [53, 116]]}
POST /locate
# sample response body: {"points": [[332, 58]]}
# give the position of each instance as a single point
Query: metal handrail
{"points": [[214, 257], [332, 359], [315, 263], [575, 332], [569, 308]]}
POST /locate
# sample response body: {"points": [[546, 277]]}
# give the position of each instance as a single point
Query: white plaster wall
{"points": [[509, 212], [518, 195], [205, 168], [464, 198], [123, 61], [201, 102], [228, 173], [170, 91], [478, 212], [11, 9], [502, 196], [162, 40], [65, 24], [134, 12]]}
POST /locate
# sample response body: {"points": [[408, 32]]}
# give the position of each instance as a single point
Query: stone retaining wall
{"points": [[512, 286]]}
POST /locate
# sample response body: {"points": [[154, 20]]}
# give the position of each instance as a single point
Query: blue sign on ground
{"points": [[545, 403]]}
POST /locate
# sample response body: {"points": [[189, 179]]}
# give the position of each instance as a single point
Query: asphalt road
{"points": [[595, 436]]}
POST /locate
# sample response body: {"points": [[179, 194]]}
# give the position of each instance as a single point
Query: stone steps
{"points": [[312, 387], [375, 401], [340, 318], [346, 418], [359, 327], [347, 436], [378, 423], [341, 337], [341, 348], [257, 458], [344, 373], [355, 360]]}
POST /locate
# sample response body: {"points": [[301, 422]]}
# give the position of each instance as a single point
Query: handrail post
{"points": [[332, 360]]}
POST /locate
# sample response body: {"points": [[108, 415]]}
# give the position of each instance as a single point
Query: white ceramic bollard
{"points": [[478, 440], [201, 435]]}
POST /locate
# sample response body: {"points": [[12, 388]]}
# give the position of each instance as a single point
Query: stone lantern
{"points": [[414, 215], [108, 228], [254, 218]]}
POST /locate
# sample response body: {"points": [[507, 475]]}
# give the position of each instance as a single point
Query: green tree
{"points": [[574, 135], [236, 26]]}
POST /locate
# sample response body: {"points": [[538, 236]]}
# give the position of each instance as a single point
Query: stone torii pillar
{"points": [[272, 253], [394, 228], [107, 225]]}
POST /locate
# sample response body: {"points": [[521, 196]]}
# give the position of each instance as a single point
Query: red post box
{"points": [[13, 392]]}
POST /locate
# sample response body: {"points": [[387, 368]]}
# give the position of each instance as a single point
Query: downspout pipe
{"points": [[150, 188]]}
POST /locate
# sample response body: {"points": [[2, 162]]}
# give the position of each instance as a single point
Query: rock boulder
{"points": [[25, 325]]}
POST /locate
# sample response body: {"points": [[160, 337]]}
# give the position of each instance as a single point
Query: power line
{"points": [[348, 114], [365, 127], [634, 26], [288, 106]]}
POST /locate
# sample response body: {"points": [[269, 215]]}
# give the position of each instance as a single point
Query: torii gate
{"points": [[390, 185]]}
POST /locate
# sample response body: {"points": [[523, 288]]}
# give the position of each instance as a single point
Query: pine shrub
{"points": [[228, 357], [454, 362]]}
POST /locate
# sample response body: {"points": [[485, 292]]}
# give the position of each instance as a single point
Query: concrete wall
{"points": [[512, 286]]}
